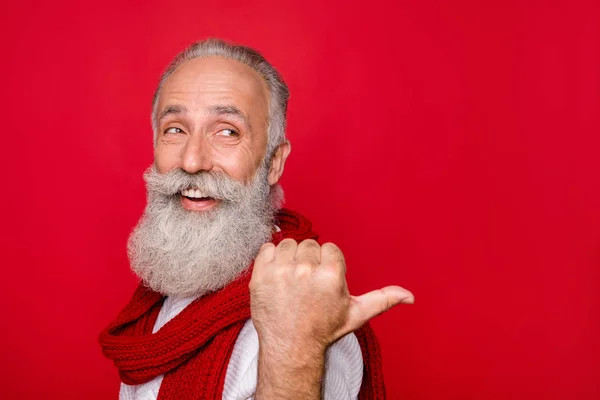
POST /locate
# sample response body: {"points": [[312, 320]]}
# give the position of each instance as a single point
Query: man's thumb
{"points": [[371, 304]]}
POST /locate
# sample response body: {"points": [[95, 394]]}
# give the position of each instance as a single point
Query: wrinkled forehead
{"points": [[208, 81]]}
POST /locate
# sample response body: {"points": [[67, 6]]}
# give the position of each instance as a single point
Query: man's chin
{"points": [[185, 279]]}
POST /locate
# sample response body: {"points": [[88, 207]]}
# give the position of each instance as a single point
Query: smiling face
{"points": [[211, 201], [212, 115]]}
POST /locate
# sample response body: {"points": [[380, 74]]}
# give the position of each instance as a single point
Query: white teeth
{"points": [[193, 193]]}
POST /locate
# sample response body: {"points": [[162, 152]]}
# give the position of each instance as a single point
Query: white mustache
{"points": [[217, 185]]}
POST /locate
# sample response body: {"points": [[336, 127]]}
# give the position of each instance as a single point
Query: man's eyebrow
{"points": [[229, 110], [174, 109]]}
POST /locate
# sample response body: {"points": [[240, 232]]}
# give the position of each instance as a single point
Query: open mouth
{"points": [[195, 200], [195, 195]]}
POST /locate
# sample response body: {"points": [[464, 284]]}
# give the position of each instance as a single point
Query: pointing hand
{"points": [[299, 296]]}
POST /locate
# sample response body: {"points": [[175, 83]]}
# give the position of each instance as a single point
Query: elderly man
{"points": [[238, 299]]}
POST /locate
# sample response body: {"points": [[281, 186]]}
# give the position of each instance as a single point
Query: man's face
{"points": [[210, 200], [212, 116]]}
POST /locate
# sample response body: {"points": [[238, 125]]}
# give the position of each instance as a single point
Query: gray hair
{"points": [[278, 90]]}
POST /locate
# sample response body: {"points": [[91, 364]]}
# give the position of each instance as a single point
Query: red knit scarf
{"points": [[193, 349]]}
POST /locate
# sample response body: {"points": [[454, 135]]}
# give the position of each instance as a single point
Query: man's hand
{"points": [[300, 305]]}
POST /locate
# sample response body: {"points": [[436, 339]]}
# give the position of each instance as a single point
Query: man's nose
{"points": [[197, 155]]}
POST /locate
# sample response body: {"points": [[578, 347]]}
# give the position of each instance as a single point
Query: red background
{"points": [[449, 147]]}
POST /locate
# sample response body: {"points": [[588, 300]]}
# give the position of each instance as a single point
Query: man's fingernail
{"points": [[408, 300]]}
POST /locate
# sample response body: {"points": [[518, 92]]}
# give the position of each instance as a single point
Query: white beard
{"points": [[178, 252]]}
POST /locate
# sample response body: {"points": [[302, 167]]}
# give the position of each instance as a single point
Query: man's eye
{"points": [[227, 132], [174, 130]]}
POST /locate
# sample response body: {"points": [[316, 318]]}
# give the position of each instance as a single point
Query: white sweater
{"points": [[343, 364]]}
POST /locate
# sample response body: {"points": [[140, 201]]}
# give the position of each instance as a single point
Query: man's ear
{"points": [[278, 162]]}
